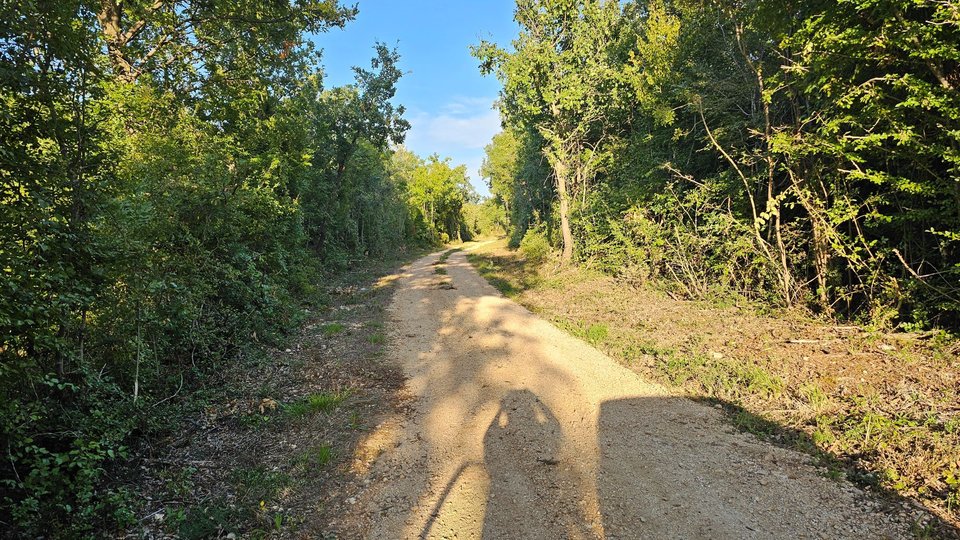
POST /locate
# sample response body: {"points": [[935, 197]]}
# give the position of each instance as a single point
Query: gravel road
{"points": [[519, 430]]}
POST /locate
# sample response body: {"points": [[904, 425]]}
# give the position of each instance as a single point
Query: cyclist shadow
{"points": [[528, 482]]}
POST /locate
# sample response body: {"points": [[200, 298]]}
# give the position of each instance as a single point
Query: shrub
{"points": [[535, 246]]}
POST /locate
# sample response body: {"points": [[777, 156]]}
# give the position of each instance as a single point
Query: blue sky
{"points": [[449, 104]]}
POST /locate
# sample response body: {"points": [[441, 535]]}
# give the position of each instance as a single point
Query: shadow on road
{"points": [[531, 447]]}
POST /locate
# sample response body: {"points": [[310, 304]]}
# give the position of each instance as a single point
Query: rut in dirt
{"points": [[519, 430]]}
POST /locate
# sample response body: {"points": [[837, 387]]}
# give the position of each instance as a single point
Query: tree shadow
{"points": [[836, 467], [685, 478], [637, 467]]}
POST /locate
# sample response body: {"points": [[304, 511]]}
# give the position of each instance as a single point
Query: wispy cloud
{"points": [[459, 129], [468, 123], [467, 105]]}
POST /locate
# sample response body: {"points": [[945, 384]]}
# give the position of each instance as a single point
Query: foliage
{"points": [[798, 154], [174, 179], [535, 246], [556, 83], [439, 194], [486, 218]]}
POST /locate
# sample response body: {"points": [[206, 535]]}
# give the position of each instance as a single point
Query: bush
{"points": [[535, 246]]}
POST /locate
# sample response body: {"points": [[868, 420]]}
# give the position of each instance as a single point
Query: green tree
{"points": [[172, 40], [558, 81], [159, 166], [440, 192]]}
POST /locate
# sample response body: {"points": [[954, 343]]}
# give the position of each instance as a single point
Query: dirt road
{"points": [[519, 430]]}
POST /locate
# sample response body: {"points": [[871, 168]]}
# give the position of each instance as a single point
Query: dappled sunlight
{"points": [[522, 431], [491, 387], [381, 439], [388, 280]]}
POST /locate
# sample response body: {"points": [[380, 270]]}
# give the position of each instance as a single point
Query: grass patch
{"points": [[332, 329], [597, 333], [376, 339], [322, 402], [725, 378], [440, 271], [446, 255], [507, 276], [317, 458]]}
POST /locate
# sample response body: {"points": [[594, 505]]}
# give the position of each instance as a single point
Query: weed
{"points": [[314, 403], [376, 339], [823, 435], [446, 255], [356, 421], [634, 350], [596, 333], [752, 423], [759, 380], [317, 457], [332, 329], [923, 531], [208, 521], [440, 271], [257, 485], [178, 483], [254, 420], [815, 397]]}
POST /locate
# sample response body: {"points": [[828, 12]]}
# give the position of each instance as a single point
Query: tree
{"points": [[501, 167], [346, 118], [440, 192], [558, 81], [154, 36], [161, 164]]}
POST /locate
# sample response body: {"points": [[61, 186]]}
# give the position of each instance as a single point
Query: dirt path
{"points": [[519, 430]]}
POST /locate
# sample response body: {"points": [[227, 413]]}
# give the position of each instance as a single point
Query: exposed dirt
{"points": [[519, 430], [260, 461], [881, 408]]}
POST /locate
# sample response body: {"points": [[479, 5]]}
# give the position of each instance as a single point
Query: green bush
{"points": [[535, 246]]}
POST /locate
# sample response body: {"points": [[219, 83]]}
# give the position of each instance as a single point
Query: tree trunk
{"points": [[560, 172], [821, 264], [110, 17]]}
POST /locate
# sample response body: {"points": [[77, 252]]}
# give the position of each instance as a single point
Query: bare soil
{"points": [[879, 408], [520, 430], [272, 454]]}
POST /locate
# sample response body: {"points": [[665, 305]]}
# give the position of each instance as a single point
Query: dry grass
{"points": [[882, 409]]}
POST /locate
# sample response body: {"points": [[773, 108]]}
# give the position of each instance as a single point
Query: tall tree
{"points": [[558, 80]]}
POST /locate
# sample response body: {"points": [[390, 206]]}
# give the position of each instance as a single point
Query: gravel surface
{"points": [[518, 430]]}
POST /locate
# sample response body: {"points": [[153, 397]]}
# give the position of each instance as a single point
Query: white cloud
{"points": [[467, 105], [459, 130], [460, 125]]}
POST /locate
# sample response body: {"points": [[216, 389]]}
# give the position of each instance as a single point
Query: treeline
{"points": [[175, 180], [798, 153]]}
